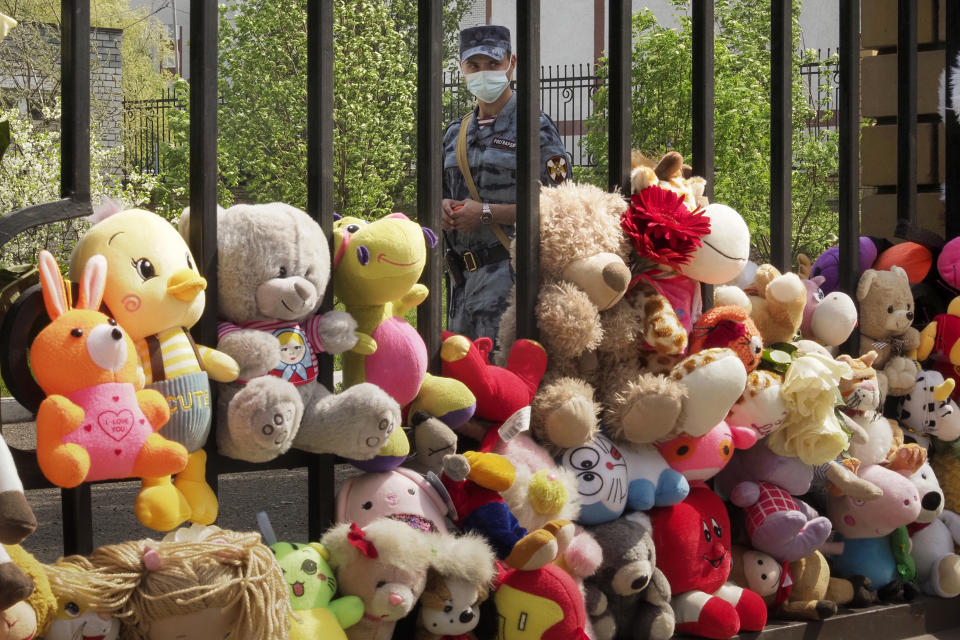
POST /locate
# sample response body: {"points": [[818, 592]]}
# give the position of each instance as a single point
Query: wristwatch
{"points": [[486, 216]]}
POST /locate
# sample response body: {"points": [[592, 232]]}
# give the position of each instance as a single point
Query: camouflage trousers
{"points": [[474, 309]]}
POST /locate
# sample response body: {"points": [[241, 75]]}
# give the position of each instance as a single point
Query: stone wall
{"points": [[105, 79]]}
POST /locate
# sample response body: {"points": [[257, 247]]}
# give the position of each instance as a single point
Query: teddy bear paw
{"points": [[901, 375], [262, 420], [948, 575]]}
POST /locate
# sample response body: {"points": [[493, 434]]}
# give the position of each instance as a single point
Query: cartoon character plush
{"points": [[678, 243], [16, 523], [316, 612], [583, 275], [730, 327], [929, 411], [156, 294], [629, 597], [384, 564], [269, 293], [376, 267], [613, 478], [761, 406], [764, 485], [700, 459], [474, 481], [865, 545], [940, 339], [31, 617], [500, 391], [934, 534], [886, 315], [459, 580], [399, 494], [692, 541], [96, 424], [539, 604], [828, 319], [76, 617]]}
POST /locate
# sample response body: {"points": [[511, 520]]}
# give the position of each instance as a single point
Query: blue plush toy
{"points": [[613, 480]]}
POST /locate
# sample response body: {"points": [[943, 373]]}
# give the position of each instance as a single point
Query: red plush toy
{"points": [[731, 327], [692, 541], [500, 391], [544, 604]]}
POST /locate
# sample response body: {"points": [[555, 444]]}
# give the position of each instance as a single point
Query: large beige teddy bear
{"points": [[583, 273], [886, 316]]}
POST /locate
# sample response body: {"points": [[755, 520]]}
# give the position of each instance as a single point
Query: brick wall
{"points": [[105, 79]]}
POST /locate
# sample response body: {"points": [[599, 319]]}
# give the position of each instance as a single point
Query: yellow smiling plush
{"points": [[376, 267], [156, 293]]}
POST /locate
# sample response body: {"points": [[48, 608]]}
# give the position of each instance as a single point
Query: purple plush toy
{"points": [[827, 264], [763, 485]]}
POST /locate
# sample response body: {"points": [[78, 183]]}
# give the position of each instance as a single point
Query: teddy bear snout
{"points": [[286, 298], [395, 599], [931, 501], [632, 578], [466, 616], [604, 277]]}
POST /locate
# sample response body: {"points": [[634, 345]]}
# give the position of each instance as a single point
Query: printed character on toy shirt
{"points": [[298, 347]]}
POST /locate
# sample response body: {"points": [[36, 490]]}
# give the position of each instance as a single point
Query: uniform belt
{"points": [[473, 260]]}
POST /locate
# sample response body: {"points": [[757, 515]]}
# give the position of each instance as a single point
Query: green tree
{"points": [[263, 115], [662, 119]]}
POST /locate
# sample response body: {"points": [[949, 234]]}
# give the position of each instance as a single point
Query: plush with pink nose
{"points": [[867, 546], [385, 564]]}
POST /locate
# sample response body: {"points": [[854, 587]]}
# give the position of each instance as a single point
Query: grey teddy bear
{"points": [[273, 269], [628, 598]]}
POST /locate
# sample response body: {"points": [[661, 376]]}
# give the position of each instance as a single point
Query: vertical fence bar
{"points": [[203, 169], [528, 166], [620, 122], [781, 130], [75, 183], [906, 116], [703, 106], [320, 469], [849, 130], [429, 167], [952, 126]]}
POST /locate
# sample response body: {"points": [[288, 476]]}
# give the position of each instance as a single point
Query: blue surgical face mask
{"points": [[487, 85]]}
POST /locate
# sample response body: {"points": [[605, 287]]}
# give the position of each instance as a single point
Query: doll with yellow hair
{"points": [[226, 586]]}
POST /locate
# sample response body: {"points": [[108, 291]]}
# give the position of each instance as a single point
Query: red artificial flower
{"points": [[661, 227]]}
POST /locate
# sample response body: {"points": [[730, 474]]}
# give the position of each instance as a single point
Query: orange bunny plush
{"points": [[94, 423]]}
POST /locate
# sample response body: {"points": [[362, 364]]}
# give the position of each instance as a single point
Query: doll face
{"points": [[71, 624], [601, 478], [19, 622], [206, 624]]}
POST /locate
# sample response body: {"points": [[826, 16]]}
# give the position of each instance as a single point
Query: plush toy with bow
{"points": [[155, 292], [933, 536], [384, 564], [95, 424], [886, 318], [376, 268]]}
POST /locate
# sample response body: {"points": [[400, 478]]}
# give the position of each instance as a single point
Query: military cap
{"points": [[489, 39]]}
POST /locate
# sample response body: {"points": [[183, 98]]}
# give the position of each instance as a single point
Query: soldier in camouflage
{"points": [[480, 276]]}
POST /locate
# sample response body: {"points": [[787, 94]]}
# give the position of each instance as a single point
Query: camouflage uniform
{"points": [[474, 309]]}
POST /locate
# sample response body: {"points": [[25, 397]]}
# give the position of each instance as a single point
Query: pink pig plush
{"points": [[400, 494]]}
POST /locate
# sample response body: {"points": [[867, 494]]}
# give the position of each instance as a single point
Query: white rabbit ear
{"points": [[93, 283], [51, 283]]}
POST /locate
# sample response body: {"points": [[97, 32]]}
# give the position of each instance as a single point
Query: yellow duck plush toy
{"points": [[156, 293]]}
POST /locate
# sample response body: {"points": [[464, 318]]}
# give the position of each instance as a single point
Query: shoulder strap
{"points": [[468, 177]]}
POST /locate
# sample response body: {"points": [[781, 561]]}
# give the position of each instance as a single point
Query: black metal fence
{"points": [[566, 95], [146, 126], [75, 182]]}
